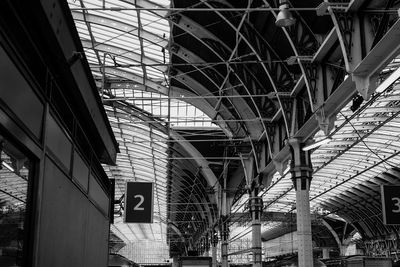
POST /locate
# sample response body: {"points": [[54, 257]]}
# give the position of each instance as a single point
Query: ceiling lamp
{"points": [[284, 18]]}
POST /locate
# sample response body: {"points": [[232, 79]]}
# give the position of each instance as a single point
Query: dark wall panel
{"points": [[73, 232], [96, 239], [80, 171], [58, 142], [97, 193], [63, 220], [16, 93]]}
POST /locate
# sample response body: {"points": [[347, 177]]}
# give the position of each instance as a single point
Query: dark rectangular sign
{"points": [[138, 202], [390, 195]]}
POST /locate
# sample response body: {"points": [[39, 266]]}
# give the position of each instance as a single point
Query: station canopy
{"points": [[185, 94]]}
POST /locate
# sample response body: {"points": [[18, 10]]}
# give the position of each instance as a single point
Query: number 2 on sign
{"points": [[141, 200], [397, 204]]}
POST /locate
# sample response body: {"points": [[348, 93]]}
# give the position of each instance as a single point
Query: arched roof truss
{"points": [[261, 84]]}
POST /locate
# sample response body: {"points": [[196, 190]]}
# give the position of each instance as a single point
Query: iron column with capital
{"points": [[214, 244], [256, 207], [224, 231], [301, 171]]}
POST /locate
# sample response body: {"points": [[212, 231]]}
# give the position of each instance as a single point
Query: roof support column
{"points": [[175, 261], [224, 231], [225, 208], [325, 253], [206, 246], [256, 207], [301, 171], [214, 244]]}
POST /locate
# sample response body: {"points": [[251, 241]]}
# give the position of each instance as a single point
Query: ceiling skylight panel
{"points": [[144, 174], [155, 46], [142, 148], [151, 18], [96, 74], [271, 199], [139, 141], [133, 70], [124, 44], [84, 35], [124, 120], [120, 62], [280, 208], [159, 161], [394, 161], [150, 15], [161, 172], [155, 109], [74, 4], [127, 17], [146, 164], [92, 58], [89, 3], [350, 183], [388, 131], [137, 131], [155, 74], [155, 55], [163, 3], [161, 183], [117, 73], [158, 26], [278, 188], [394, 123], [117, 3], [154, 39], [137, 161], [126, 39], [123, 93], [100, 19], [104, 30], [89, 52], [384, 137], [333, 192], [157, 150], [158, 134], [82, 28], [318, 182]]}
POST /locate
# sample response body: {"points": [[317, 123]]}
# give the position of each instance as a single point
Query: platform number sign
{"points": [[390, 204], [138, 202]]}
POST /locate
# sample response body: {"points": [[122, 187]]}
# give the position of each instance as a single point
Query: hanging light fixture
{"points": [[285, 17]]}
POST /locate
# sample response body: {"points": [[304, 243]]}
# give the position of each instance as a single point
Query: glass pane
{"points": [[14, 179]]}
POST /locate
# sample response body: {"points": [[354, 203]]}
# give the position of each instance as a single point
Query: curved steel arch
{"points": [[190, 56], [256, 53], [201, 34], [210, 177]]}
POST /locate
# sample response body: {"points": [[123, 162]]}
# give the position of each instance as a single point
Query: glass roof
{"points": [[140, 160], [362, 146], [127, 52]]}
